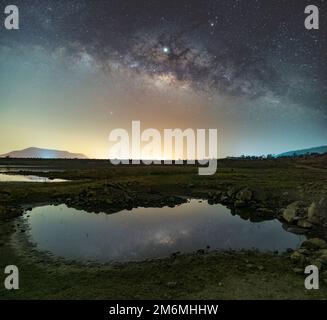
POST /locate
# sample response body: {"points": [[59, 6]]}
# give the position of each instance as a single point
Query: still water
{"points": [[144, 233], [26, 178]]}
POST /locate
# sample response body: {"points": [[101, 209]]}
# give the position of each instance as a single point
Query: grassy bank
{"points": [[215, 275]]}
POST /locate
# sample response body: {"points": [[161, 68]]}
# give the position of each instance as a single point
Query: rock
{"points": [[313, 213], [171, 199], [314, 244], [298, 258], [260, 195], [214, 195], [244, 195], [291, 211], [295, 230], [90, 194], [265, 211], [239, 204], [217, 196], [303, 251], [312, 210], [231, 191], [317, 211], [304, 224]]}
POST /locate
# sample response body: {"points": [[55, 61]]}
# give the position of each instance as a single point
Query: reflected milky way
{"points": [[149, 232]]}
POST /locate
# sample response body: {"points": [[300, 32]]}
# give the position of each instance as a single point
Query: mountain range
{"points": [[58, 154], [319, 150], [43, 154]]}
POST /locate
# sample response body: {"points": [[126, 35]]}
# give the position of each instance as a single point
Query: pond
{"points": [[144, 233], [26, 178]]}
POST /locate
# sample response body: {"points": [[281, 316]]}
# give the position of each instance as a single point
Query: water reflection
{"points": [[26, 178], [150, 232]]}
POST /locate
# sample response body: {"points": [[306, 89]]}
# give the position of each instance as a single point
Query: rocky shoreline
{"points": [[312, 252], [301, 207], [298, 217]]}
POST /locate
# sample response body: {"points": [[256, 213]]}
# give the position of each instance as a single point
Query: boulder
{"points": [[312, 210], [298, 258], [291, 211], [224, 200], [314, 244], [260, 195], [313, 215], [244, 195], [304, 224], [265, 211], [239, 204], [231, 191], [317, 211], [304, 251]]}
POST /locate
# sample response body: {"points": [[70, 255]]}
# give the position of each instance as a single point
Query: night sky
{"points": [[77, 69]]}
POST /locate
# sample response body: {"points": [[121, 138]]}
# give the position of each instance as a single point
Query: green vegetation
{"points": [[255, 189]]}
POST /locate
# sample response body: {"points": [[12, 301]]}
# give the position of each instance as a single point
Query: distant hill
{"points": [[319, 150], [43, 154]]}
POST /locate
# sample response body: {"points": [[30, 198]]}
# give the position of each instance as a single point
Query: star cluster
{"points": [[252, 58]]}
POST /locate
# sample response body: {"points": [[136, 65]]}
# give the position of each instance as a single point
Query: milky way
{"points": [[251, 64]]}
